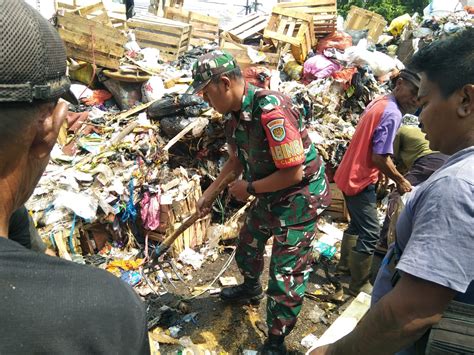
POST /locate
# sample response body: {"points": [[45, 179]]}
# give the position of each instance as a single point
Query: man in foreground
{"points": [[428, 272], [269, 144], [48, 305]]}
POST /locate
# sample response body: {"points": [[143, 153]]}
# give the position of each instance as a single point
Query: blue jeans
{"points": [[364, 222]]}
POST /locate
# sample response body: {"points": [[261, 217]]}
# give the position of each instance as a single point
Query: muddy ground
{"points": [[233, 328]]}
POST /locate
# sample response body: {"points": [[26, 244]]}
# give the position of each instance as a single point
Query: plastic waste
{"points": [[131, 46], [83, 205], [150, 210], [315, 314], [339, 40], [319, 67], [441, 8], [258, 76], [190, 257], [294, 70], [379, 62], [309, 341], [182, 105], [357, 35], [153, 89], [398, 24]]}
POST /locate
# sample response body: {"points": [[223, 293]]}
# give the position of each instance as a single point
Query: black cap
{"points": [[411, 76], [32, 56]]}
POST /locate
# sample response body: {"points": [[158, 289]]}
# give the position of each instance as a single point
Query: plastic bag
{"points": [[182, 105], [357, 35], [294, 70], [339, 40], [380, 63], [153, 89], [172, 125], [318, 67], [398, 24]]}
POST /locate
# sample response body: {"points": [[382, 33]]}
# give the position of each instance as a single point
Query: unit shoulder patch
{"points": [[277, 129]]}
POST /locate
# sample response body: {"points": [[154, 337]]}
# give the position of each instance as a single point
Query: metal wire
{"points": [[224, 268]]}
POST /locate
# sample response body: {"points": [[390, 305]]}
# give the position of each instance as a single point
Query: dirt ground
{"points": [[233, 328]]}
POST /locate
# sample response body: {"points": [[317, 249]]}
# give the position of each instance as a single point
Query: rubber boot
{"points": [[250, 290], [348, 242], [360, 265], [274, 345], [376, 263]]}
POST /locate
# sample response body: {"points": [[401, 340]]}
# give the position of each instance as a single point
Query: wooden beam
{"points": [[346, 322]]}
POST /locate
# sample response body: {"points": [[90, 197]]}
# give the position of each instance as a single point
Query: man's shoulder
{"points": [[385, 104], [268, 100], [54, 296], [63, 274], [455, 179]]}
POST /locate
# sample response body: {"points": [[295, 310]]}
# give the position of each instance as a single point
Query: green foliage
{"points": [[389, 9]]}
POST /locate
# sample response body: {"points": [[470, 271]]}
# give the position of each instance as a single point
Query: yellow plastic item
{"points": [[83, 72], [294, 70], [398, 24]]}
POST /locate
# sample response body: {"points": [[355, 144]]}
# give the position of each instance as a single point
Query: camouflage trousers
{"points": [[290, 264]]}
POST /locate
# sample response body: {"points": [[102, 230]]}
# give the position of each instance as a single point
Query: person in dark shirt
{"points": [[48, 305], [22, 230]]}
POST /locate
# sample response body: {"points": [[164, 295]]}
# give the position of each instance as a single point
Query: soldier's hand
{"points": [[404, 186], [238, 189]]}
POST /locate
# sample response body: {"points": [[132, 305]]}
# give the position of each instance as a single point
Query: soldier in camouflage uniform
{"points": [[269, 144]]}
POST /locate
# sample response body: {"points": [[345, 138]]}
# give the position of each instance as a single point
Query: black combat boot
{"points": [[274, 345], [250, 291]]}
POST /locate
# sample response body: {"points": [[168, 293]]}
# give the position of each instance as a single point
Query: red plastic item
{"points": [[339, 40], [258, 76]]}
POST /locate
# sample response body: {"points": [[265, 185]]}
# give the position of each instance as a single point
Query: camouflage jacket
{"points": [[269, 134]]}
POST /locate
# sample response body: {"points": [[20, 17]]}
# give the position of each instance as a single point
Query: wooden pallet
{"points": [[205, 28], [324, 14], [291, 27], [361, 19], [240, 52], [247, 27], [113, 11], [170, 37], [91, 40]]}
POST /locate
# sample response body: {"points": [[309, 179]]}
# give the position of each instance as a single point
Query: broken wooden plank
{"points": [[346, 322], [84, 42], [97, 58]]}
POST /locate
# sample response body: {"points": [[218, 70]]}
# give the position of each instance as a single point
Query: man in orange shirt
{"points": [[369, 154]]}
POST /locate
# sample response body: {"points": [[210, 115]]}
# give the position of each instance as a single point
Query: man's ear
{"points": [[227, 82], [465, 105], [48, 126]]}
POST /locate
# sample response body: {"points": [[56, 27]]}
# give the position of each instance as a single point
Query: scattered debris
{"points": [[228, 281]]}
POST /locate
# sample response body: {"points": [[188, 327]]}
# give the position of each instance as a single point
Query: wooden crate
{"points": [[91, 40], [115, 12], [324, 14], [169, 36], [282, 28], [172, 215], [247, 27], [361, 19], [240, 53], [205, 28], [338, 208]]}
